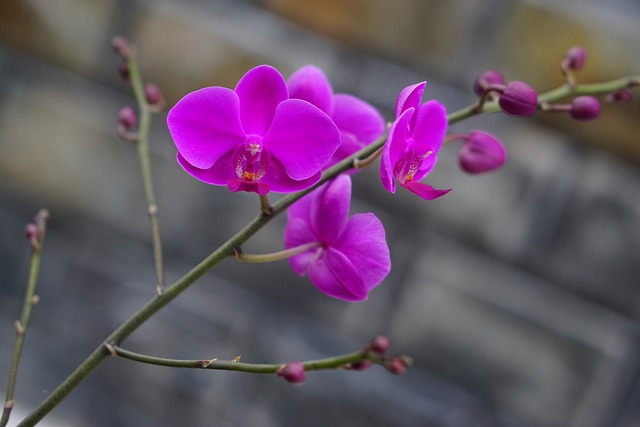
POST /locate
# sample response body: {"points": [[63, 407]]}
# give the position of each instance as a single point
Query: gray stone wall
{"points": [[516, 294]]}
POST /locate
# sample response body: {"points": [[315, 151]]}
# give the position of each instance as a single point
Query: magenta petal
{"points": [[260, 91], [279, 182], [218, 174], [427, 164], [395, 146], [330, 208], [357, 117], [349, 145], [409, 97], [334, 275], [205, 125], [425, 191], [430, 128], [364, 243], [302, 138], [310, 84]]}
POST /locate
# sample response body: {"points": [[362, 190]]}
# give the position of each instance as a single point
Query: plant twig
{"points": [[142, 145], [334, 362], [30, 299]]}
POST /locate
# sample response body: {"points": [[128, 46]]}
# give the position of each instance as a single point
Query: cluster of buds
{"points": [[378, 348], [128, 118], [515, 98]]}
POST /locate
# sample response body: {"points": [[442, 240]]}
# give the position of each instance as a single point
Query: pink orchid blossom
{"points": [[351, 257], [411, 149], [253, 138], [358, 121]]}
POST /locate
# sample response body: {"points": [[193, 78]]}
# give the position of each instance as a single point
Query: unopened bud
{"points": [[622, 95], [585, 108], [33, 233], [397, 365], [574, 59], [121, 47], [519, 99], [380, 344], [292, 372], [127, 118], [123, 70], [153, 95], [487, 79], [362, 365], [481, 152]]}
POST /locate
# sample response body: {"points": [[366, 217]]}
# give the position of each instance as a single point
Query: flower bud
{"points": [[622, 95], [127, 118], [481, 152], [123, 70], [153, 95], [33, 233], [362, 365], [574, 59], [121, 47], [379, 344], [292, 372], [397, 365], [585, 108], [519, 99], [486, 79]]}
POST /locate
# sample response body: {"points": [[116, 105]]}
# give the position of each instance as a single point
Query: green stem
{"points": [[227, 250], [333, 362], [30, 299], [142, 144], [557, 94], [275, 256]]}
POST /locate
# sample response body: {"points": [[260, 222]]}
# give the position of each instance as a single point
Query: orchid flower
{"points": [[411, 149], [347, 257], [253, 138], [358, 121]]}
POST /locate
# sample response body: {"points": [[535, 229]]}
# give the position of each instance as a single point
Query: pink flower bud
{"points": [[622, 95], [519, 99], [481, 152], [575, 58], [153, 95], [585, 108], [121, 47], [292, 372], [127, 118], [33, 233], [123, 70], [379, 344], [362, 365], [397, 365], [486, 79]]}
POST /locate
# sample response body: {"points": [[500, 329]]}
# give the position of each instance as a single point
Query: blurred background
{"points": [[517, 294]]}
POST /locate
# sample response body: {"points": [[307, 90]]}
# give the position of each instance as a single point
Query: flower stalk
{"points": [[36, 237], [273, 256], [334, 362], [142, 145]]}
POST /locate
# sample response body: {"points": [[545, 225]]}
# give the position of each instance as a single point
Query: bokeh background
{"points": [[517, 294]]}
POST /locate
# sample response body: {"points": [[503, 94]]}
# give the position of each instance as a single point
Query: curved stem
{"points": [[30, 299], [557, 94], [334, 362], [142, 144], [274, 256]]}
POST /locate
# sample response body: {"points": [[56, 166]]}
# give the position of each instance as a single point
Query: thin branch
{"points": [[142, 145], [36, 236], [335, 362]]}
